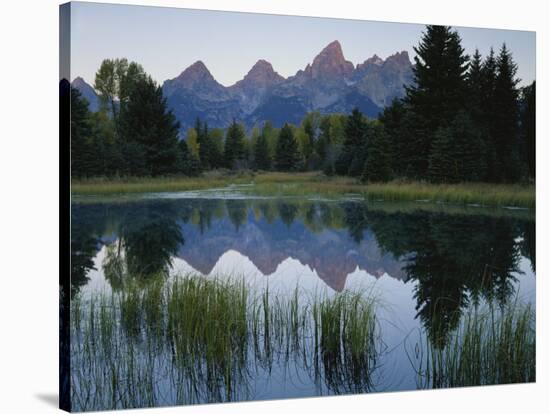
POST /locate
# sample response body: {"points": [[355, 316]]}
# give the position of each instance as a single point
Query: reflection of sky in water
{"points": [[236, 240], [400, 328]]}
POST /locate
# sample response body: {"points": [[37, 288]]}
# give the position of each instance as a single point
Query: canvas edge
{"points": [[64, 206]]}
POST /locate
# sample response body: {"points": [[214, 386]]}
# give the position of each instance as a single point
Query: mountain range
{"points": [[330, 84]]}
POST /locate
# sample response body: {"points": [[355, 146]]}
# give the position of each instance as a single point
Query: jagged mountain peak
{"points": [[260, 75], [197, 72], [334, 48], [329, 84], [261, 66], [401, 58], [331, 62], [373, 60]]}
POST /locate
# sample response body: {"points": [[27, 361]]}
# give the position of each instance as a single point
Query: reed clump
{"points": [[345, 328], [494, 346], [198, 339]]}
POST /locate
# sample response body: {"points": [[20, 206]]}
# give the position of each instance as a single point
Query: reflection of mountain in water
{"points": [[330, 252], [452, 259]]}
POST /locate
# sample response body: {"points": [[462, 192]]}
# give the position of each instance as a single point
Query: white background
{"points": [[29, 203]]}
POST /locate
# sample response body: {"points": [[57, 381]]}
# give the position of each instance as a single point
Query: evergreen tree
{"points": [[216, 140], [507, 117], [490, 109], [310, 132], [322, 143], [441, 164], [470, 148], [202, 141], [82, 150], [378, 162], [109, 160], [272, 135], [475, 88], [95, 150], [287, 156], [234, 146], [252, 143], [439, 88], [330, 141], [352, 158], [150, 130], [189, 163], [479, 81], [528, 123], [310, 126], [392, 119], [458, 152], [261, 151], [209, 153]]}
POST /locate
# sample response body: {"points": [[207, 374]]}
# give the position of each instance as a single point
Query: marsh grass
{"points": [[207, 329], [514, 195], [315, 184], [197, 339], [127, 185], [493, 346], [345, 330]]}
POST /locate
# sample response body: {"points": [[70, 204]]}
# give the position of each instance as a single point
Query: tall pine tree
{"points": [[528, 123], [378, 162], [209, 153], [151, 130], [475, 87], [262, 158], [442, 166], [507, 117], [458, 152], [490, 110], [82, 149], [438, 91], [352, 157], [234, 152], [287, 156]]}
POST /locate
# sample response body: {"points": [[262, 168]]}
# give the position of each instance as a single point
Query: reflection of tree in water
{"points": [[83, 250], [268, 211], [313, 218], [149, 235], [355, 219], [442, 264], [505, 260], [287, 212], [528, 246], [331, 216], [237, 212], [150, 240], [453, 258], [204, 212], [87, 224]]}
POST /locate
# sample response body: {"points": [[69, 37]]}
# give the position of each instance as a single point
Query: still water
{"points": [[422, 267]]}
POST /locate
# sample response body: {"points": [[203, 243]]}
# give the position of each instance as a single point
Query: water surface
{"points": [[424, 267]]}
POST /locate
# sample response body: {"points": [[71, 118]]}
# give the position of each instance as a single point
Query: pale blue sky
{"points": [[167, 40]]}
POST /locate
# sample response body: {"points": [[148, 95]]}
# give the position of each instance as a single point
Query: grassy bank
{"points": [[316, 184]]}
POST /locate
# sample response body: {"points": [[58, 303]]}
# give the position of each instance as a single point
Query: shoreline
{"points": [[317, 184]]}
